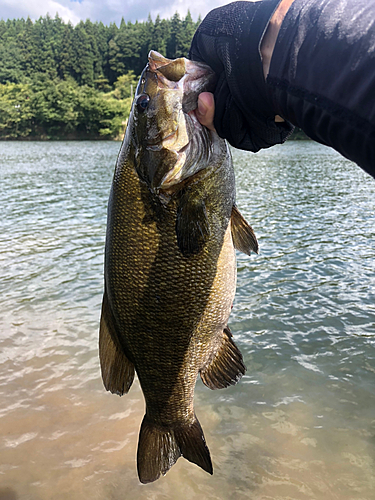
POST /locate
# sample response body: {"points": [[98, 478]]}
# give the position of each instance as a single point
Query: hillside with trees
{"points": [[59, 81]]}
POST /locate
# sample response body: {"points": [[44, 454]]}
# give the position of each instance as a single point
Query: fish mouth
{"points": [[183, 168], [169, 141], [164, 143], [174, 133], [174, 176]]}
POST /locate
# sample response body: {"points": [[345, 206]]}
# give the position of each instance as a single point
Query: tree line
{"points": [[59, 81]]}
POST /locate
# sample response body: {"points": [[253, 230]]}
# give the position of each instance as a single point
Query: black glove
{"points": [[228, 40]]}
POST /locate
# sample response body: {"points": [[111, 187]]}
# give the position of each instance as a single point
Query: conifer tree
{"points": [[83, 60], [57, 79], [173, 50]]}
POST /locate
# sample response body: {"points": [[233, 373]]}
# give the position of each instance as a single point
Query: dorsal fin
{"points": [[244, 238]]}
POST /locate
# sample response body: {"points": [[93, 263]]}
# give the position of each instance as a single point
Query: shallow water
{"points": [[299, 425]]}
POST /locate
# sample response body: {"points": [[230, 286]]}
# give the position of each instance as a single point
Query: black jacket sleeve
{"points": [[228, 40], [322, 75]]}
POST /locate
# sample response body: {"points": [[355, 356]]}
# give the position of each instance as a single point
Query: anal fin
{"points": [[244, 238], [160, 447], [117, 370], [227, 366]]}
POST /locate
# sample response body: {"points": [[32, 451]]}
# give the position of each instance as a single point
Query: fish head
{"points": [[170, 143]]}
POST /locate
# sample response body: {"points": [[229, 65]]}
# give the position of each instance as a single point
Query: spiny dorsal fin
{"points": [[192, 227], [227, 367], [244, 238], [160, 447], [117, 370]]}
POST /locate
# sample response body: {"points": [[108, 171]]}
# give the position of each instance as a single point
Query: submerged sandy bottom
{"points": [[62, 442], [300, 424]]}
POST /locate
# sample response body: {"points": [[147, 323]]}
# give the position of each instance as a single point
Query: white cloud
{"points": [[9, 9], [106, 11]]}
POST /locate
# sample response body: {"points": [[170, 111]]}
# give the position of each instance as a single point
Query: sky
{"points": [[106, 11]]}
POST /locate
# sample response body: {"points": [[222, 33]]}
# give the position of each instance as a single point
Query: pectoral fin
{"points": [[244, 238], [117, 370], [226, 367], [192, 227]]}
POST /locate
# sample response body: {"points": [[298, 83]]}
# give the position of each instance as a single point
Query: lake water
{"points": [[299, 425]]}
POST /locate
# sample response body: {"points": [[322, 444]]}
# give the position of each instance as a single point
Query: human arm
{"points": [[206, 101], [321, 76], [228, 40]]}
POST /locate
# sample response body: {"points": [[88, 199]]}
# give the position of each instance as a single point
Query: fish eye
{"points": [[142, 102]]}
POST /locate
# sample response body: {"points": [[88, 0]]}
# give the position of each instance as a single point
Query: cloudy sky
{"points": [[105, 10]]}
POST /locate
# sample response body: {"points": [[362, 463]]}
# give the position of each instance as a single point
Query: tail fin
{"points": [[160, 447]]}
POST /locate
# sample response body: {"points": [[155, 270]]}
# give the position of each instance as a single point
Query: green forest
{"points": [[59, 81]]}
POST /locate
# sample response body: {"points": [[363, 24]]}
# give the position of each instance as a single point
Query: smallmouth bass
{"points": [[170, 266]]}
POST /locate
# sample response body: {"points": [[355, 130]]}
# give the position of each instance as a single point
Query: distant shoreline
{"points": [[297, 135], [59, 139]]}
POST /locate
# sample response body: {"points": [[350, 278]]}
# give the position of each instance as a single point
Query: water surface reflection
{"points": [[301, 422]]}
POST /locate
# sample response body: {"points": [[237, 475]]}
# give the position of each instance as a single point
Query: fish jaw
{"points": [[190, 160], [171, 144]]}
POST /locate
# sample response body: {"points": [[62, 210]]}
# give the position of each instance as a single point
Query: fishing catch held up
{"points": [[170, 267]]}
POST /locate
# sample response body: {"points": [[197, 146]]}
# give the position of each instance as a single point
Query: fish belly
{"points": [[170, 310]]}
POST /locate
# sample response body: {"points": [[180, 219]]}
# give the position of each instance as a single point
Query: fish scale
{"points": [[167, 282], [170, 270]]}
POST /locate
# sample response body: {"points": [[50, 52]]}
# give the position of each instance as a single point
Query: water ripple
{"points": [[301, 422]]}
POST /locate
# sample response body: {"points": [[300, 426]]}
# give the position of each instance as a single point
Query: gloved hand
{"points": [[228, 40]]}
